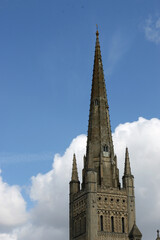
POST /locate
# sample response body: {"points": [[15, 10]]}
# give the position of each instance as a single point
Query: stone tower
{"points": [[101, 209]]}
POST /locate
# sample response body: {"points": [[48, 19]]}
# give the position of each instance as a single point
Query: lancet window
{"points": [[123, 228], [101, 222], [112, 224]]}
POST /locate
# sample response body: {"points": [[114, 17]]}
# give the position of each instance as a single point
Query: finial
{"points": [[97, 33], [127, 153]]}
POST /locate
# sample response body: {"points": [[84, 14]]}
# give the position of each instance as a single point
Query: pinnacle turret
{"points": [[127, 168], [135, 233], [158, 237], [74, 170]]}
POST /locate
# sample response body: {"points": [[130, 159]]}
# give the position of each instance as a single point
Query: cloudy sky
{"points": [[46, 63]]}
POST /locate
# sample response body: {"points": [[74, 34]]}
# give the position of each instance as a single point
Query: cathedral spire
{"points": [[74, 170], [101, 208], [127, 168], [99, 142]]}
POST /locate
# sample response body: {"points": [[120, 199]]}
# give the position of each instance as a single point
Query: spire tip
{"points": [[97, 33]]}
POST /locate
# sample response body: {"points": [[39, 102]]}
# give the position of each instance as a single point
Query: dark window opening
{"points": [[101, 222], [105, 148], [96, 102], [112, 224], [80, 226], [84, 224], [123, 230], [75, 228]]}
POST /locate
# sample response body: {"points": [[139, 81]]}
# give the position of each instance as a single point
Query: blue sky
{"points": [[46, 64], [47, 50]]}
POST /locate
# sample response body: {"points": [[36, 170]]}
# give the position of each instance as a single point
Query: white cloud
{"points": [[49, 218], [7, 237], [52, 189], [118, 46], [152, 29], [142, 138], [12, 206]]}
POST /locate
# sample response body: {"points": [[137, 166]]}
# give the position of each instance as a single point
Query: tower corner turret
{"points": [[74, 183]]}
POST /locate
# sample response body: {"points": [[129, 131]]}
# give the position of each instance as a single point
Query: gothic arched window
{"points": [[101, 222], [112, 224], [123, 229], [75, 228], [105, 148], [84, 224], [80, 226]]}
